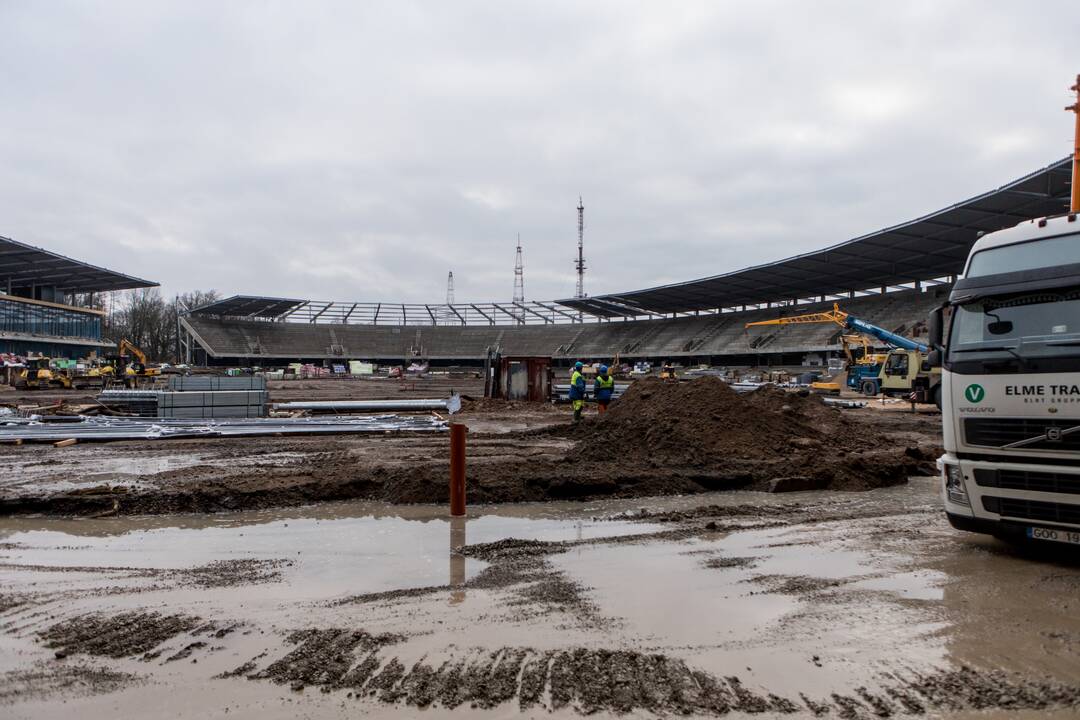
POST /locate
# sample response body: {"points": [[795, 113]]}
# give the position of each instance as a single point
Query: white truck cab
{"points": [[1010, 384]]}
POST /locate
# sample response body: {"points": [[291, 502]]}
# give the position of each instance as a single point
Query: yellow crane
{"points": [[898, 372]]}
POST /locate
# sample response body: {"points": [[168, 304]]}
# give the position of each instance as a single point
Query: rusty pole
{"points": [[457, 469], [1075, 109]]}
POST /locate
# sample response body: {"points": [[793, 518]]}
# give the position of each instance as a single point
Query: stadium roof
{"points": [[249, 306], [23, 266], [929, 247]]}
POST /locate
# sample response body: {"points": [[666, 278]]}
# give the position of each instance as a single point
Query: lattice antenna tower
{"points": [[579, 264], [519, 275], [450, 288]]}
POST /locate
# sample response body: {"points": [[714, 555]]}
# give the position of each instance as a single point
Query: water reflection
{"points": [[457, 560]]}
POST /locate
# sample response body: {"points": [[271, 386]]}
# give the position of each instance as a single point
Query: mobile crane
{"points": [[898, 372]]}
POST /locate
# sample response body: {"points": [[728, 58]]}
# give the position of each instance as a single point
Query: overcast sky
{"points": [[360, 150]]}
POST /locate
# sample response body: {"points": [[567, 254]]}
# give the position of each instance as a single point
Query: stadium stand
{"points": [[705, 337], [891, 278]]}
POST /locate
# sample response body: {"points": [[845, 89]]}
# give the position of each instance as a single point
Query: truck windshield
{"points": [[1036, 325], [1049, 252]]}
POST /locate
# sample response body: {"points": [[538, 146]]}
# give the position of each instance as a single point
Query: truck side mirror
{"points": [[934, 326], [933, 359]]}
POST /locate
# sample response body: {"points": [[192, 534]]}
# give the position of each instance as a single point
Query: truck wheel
{"points": [[869, 388], [935, 396]]}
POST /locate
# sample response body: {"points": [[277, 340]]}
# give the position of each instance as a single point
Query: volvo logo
{"points": [[1053, 434], [974, 393]]}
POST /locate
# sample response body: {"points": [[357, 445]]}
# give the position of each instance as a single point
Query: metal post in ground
{"points": [[457, 469], [457, 560]]}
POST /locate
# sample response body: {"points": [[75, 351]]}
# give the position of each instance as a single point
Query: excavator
{"points": [[123, 366], [897, 372]]}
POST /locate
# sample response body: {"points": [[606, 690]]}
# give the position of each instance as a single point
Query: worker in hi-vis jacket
{"points": [[603, 389], [577, 390]]}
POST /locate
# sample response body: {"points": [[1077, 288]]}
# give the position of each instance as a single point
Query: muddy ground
{"points": [[659, 440], [686, 554], [816, 604]]}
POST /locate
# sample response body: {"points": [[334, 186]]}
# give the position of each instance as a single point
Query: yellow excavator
{"points": [[129, 364]]}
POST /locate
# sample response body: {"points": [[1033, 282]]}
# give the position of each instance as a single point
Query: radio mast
{"points": [[519, 281], [579, 264]]}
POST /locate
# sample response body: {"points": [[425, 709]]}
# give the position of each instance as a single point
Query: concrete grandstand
{"points": [[892, 278]]}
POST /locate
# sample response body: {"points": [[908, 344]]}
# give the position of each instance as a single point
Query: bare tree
{"points": [[145, 318]]}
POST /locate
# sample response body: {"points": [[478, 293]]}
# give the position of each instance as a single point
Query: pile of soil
{"points": [[792, 441]]}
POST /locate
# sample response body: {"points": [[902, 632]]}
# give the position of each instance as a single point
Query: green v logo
{"points": [[974, 393]]}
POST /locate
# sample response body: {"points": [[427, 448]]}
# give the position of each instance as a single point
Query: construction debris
{"points": [[105, 429], [451, 405]]}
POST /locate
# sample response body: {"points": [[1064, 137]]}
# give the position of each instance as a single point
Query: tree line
{"points": [[146, 319]]}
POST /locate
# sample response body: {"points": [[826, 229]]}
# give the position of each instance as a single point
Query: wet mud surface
{"points": [[819, 604], [660, 439]]}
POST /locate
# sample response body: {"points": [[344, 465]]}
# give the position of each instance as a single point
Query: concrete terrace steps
{"points": [[693, 336]]}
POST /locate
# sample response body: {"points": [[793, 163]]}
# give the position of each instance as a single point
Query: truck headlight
{"points": [[954, 485]]}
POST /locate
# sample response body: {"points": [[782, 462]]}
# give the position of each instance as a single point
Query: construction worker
{"points": [[577, 390], [603, 388]]}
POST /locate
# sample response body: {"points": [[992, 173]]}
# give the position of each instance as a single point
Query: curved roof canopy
{"points": [[929, 247], [24, 266], [251, 306]]}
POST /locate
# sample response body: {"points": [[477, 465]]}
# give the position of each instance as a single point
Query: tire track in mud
{"points": [[589, 680], [131, 634], [116, 636], [44, 680]]}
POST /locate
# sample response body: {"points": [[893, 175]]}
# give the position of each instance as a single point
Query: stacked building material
{"points": [[194, 397], [451, 405], [212, 404], [143, 403], [104, 429], [203, 383]]}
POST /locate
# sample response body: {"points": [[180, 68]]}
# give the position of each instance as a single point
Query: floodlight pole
{"points": [[1075, 109]]}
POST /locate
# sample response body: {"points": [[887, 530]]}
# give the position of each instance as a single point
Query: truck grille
{"points": [[1033, 510], [1027, 480], [1028, 433]]}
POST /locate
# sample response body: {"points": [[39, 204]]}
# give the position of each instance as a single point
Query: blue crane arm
{"points": [[854, 323]]}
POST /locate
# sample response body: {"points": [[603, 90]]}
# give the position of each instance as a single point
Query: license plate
{"points": [[1062, 536]]}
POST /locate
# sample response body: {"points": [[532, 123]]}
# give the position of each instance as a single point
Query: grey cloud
{"points": [[359, 151]]}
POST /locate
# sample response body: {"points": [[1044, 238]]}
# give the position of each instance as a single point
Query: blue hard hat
{"points": [[603, 369], [578, 365]]}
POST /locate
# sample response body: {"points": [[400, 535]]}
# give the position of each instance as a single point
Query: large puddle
{"points": [[360, 547], [352, 548], [815, 606]]}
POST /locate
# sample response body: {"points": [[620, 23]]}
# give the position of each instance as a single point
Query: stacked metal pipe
{"points": [[104, 429]]}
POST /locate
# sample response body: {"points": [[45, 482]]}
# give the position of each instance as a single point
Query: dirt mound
{"points": [[794, 441], [706, 418]]}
